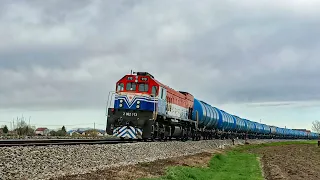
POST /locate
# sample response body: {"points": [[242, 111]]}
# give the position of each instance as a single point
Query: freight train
{"points": [[144, 108]]}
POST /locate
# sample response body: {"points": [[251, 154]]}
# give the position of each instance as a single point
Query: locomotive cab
{"points": [[134, 105], [137, 84], [136, 92]]}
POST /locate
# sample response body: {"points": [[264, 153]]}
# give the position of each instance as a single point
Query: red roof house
{"points": [[42, 131]]}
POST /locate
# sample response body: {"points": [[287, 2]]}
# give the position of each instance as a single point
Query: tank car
{"points": [[214, 122], [241, 127]]}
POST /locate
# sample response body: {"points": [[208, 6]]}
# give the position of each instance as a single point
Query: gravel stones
{"points": [[53, 161]]}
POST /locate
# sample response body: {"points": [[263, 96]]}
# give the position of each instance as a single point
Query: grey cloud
{"points": [[74, 52], [26, 58]]}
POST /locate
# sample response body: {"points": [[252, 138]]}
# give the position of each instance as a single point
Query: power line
{"points": [[6, 121]]}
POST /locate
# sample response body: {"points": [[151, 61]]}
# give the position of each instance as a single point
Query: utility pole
{"points": [[94, 125]]}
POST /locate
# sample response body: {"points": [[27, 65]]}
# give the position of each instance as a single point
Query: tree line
{"points": [[60, 132], [23, 129]]}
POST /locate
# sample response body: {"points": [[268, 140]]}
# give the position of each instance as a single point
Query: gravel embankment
{"points": [[53, 161]]}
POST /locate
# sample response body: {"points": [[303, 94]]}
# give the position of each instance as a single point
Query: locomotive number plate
{"points": [[129, 114]]}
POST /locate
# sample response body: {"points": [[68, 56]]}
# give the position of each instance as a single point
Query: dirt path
{"points": [[145, 170], [292, 162]]}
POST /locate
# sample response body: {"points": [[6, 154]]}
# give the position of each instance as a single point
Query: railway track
{"points": [[47, 142]]}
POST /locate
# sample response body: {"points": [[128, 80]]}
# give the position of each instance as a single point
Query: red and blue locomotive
{"points": [[144, 108]]}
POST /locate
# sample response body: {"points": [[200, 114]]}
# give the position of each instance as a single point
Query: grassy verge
{"points": [[235, 164], [232, 165], [251, 146]]}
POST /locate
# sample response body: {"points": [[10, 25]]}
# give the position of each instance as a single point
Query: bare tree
{"points": [[316, 126], [23, 128]]}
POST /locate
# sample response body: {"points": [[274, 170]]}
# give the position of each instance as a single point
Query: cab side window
{"points": [[161, 93], [120, 87], [154, 91]]}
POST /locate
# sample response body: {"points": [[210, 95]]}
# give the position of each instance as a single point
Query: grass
{"points": [[252, 146], [232, 165], [235, 164]]}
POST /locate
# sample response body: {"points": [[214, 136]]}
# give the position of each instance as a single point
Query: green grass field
{"points": [[235, 164]]}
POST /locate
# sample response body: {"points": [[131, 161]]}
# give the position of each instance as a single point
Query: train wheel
{"points": [[198, 136]]}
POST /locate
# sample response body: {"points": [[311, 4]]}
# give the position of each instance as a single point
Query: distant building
{"points": [[101, 132], [86, 132], [42, 131], [71, 132]]}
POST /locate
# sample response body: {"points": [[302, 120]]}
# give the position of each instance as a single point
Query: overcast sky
{"points": [[256, 59]]}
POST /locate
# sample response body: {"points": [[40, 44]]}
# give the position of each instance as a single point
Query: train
{"points": [[144, 108]]}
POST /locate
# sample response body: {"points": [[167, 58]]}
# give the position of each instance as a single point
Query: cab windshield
{"points": [[137, 87], [131, 86], [143, 87]]}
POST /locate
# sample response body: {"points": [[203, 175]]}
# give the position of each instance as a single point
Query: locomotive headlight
{"points": [[121, 101], [120, 105], [138, 102], [138, 106]]}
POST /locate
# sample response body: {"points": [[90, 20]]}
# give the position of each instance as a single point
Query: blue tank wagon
{"points": [[207, 116], [226, 123], [259, 129], [241, 126], [217, 123], [251, 128], [266, 131]]}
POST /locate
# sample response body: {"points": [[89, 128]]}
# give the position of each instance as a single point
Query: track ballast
{"points": [[48, 142]]}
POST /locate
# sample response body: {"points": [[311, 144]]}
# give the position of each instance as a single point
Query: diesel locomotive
{"points": [[145, 108]]}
